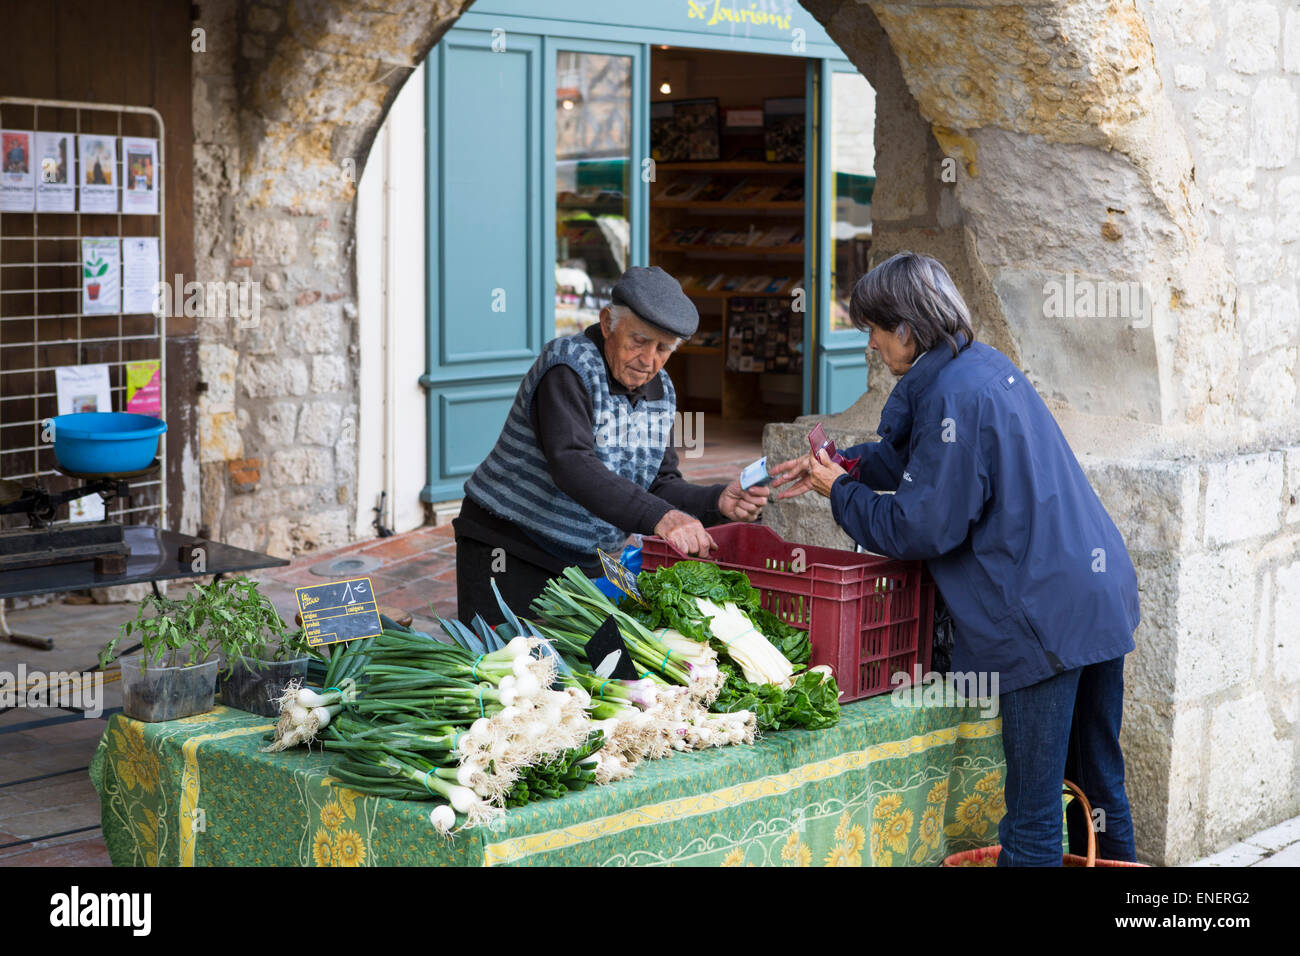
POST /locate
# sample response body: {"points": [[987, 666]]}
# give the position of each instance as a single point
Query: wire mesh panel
{"points": [[44, 324]]}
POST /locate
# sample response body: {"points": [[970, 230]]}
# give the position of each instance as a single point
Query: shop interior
{"points": [[728, 135]]}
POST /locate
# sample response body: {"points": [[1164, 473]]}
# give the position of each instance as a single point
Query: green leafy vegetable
{"points": [[673, 594]]}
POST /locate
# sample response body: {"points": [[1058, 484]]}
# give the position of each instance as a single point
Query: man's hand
{"points": [[685, 533], [739, 504], [822, 472]]}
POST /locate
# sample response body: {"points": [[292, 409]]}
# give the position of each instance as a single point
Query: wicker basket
{"points": [[988, 855]]}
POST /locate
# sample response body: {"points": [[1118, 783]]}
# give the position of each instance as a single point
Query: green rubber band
{"points": [[601, 692], [426, 784], [664, 665], [456, 738], [481, 711], [474, 670]]}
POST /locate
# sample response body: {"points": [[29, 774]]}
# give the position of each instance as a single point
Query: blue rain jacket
{"points": [[989, 495]]}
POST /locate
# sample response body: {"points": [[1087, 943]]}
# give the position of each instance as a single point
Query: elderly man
{"points": [[586, 457]]}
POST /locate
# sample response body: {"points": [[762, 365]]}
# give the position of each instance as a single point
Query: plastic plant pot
{"points": [[167, 693], [256, 685]]}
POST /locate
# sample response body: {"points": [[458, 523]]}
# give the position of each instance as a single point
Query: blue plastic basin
{"points": [[106, 443]]}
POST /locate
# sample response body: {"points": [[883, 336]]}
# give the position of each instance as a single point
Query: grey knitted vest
{"points": [[513, 482]]}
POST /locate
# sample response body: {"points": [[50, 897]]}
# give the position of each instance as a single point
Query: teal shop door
{"points": [[843, 147], [485, 275]]}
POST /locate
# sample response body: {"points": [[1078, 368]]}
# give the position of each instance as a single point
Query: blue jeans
{"points": [[1065, 727]]}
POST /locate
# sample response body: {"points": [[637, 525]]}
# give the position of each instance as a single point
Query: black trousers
{"points": [[478, 564]]}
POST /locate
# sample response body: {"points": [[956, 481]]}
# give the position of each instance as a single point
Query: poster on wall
{"points": [[784, 129], [56, 190], [140, 176], [684, 130], [82, 388], [144, 388], [17, 189], [101, 276], [98, 158], [139, 274]]}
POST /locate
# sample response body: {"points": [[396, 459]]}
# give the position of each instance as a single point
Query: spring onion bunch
{"points": [[304, 711], [571, 608]]}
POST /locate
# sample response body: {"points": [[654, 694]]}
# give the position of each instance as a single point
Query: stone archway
{"points": [[1072, 163]]}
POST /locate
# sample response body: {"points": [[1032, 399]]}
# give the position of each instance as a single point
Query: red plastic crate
{"points": [[869, 617]]}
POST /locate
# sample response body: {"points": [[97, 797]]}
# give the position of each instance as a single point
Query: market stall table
{"points": [[890, 785]]}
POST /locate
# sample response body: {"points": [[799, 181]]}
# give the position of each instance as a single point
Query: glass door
{"points": [[847, 176], [598, 196]]}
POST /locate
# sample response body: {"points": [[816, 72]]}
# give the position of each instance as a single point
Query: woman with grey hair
{"points": [[988, 494]]}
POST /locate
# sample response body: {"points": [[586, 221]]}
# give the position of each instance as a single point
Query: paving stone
{"points": [[1290, 856], [1239, 854], [1277, 837]]}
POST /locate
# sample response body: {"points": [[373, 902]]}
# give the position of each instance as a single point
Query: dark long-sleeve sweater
{"points": [[564, 422]]}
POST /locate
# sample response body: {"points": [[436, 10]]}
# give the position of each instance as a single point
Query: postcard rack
{"points": [[43, 324]]}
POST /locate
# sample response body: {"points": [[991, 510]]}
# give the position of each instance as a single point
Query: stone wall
{"points": [[287, 98]]}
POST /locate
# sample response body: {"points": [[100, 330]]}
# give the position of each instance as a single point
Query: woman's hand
{"points": [[739, 504], [794, 474], [822, 472]]}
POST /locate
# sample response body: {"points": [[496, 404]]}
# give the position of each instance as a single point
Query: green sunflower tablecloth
{"points": [[889, 786]]}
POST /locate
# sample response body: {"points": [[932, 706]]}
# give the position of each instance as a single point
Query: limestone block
{"points": [[1291, 41], [1286, 623], [1275, 117], [277, 424], [1190, 23], [1271, 392], [1249, 767], [274, 378], [1234, 186], [1252, 37], [317, 327], [1182, 796], [1242, 497], [329, 373], [1274, 319], [274, 241], [318, 424], [1153, 503], [325, 253], [1215, 608], [1189, 76], [1222, 130], [301, 466], [1288, 209], [217, 364], [219, 437], [241, 537]]}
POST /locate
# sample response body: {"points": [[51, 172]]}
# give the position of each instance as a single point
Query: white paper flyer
{"points": [[140, 179], [139, 274], [98, 178], [101, 276], [82, 388], [56, 190], [17, 185]]}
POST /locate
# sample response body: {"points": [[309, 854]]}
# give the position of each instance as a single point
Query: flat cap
{"points": [[657, 298]]}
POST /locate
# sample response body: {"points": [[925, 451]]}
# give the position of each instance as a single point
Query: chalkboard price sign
{"points": [[620, 576], [338, 611]]}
